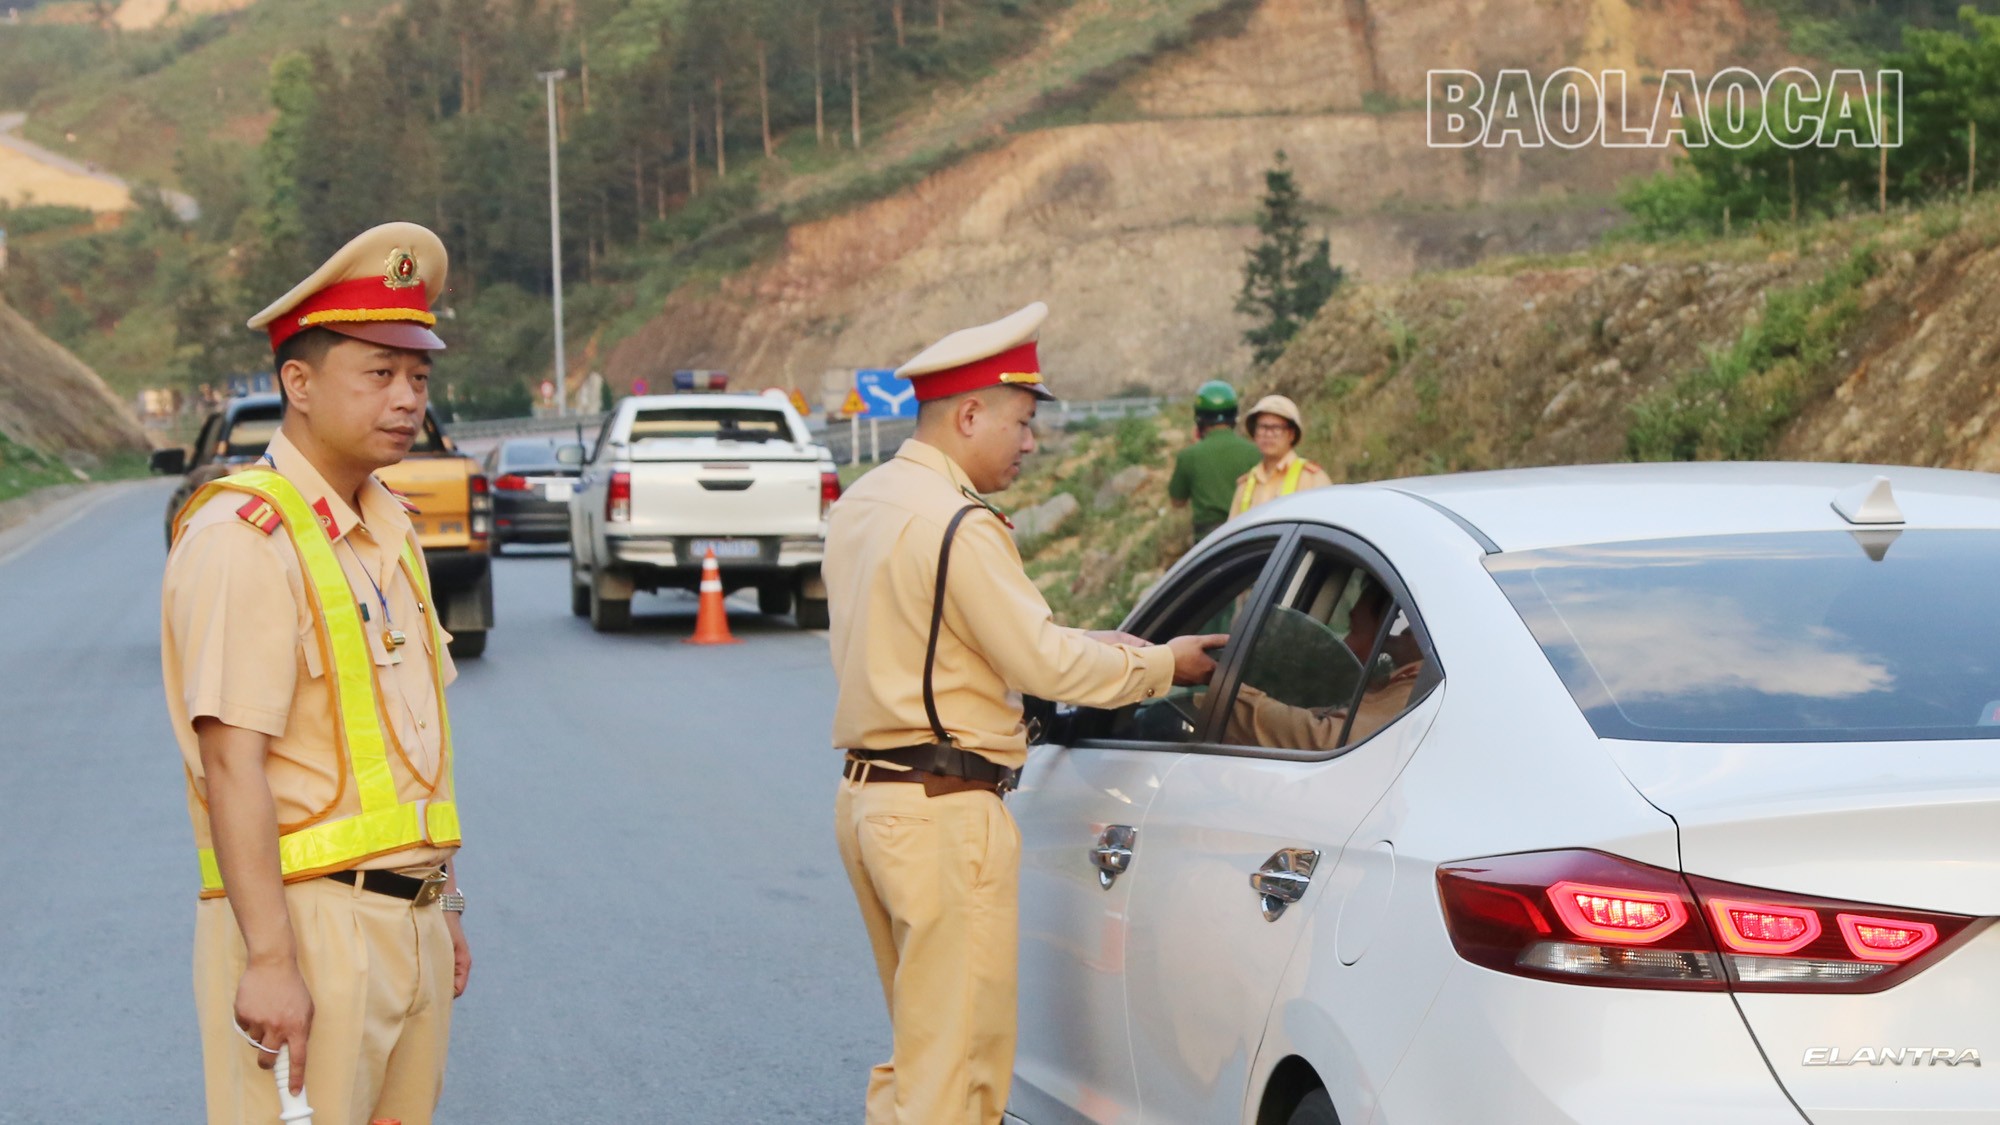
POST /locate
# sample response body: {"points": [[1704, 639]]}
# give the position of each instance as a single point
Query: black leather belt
{"points": [[945, 761], [422, 892]]}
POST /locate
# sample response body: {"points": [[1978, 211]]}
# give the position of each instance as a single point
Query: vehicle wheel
{"points": [[1316, 1109], [468, 646], [608, 615], [813, 614], [579, 592], [774, 600]]}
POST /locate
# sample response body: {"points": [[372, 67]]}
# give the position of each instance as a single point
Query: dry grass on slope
{"points": [[1738, 350]]}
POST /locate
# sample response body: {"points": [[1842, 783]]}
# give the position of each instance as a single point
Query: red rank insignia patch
{"points": [[408, 505], [325, 515], [259, 513]]}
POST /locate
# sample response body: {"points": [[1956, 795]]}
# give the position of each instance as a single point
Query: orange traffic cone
{"points": [[711, 622]]}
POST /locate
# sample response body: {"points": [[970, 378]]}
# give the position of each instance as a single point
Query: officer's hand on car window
{"points": [[274, 1008], [1114, 637], [1192, 664]]}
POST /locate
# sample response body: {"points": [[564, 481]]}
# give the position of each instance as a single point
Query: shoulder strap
{"points": [[937, 622]]}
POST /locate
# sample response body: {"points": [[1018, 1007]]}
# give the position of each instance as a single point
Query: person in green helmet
{"points": [[1205, 473]]}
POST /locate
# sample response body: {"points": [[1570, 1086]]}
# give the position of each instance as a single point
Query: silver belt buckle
{"points": [[433, 889]]}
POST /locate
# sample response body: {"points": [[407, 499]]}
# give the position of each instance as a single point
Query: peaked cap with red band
{"points": [[1000, 354], [377, 288]]}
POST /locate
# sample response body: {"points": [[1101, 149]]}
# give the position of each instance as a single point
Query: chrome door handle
{"points": [[1113, 852], [1283, 879]]}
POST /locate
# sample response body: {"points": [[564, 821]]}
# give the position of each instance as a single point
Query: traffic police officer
{"points": [[1276, 427], [305, 671], [1206, 472], [929, 714]]}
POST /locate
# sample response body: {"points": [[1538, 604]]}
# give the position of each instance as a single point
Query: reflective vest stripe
{"points": [[1292, 473], [339, 844], [384, 824]]}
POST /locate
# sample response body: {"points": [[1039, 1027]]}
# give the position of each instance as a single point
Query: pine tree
{"points": [[1286, 277]]}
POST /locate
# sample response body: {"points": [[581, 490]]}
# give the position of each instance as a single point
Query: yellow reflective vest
{"points": [[385, 823], [1249, 488]]}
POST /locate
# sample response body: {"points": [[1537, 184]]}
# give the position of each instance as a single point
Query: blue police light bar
{"points": [[701, 380]]}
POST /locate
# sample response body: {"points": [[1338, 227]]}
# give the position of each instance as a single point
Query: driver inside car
{"points": [[1257, 718]]}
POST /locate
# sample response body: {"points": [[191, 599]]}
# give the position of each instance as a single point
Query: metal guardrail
{"points": [[882, 435], [514, 427]]}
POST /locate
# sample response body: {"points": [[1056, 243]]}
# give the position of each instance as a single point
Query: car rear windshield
{"points": [[1796, 637], [532, 457], [721, 423], [250, 431]]}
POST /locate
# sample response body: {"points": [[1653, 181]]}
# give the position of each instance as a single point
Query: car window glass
{"points": [[1212, 601], [204, 443], [603, 433], [735, 424], [250, 432], [1335, 660], [430, 439]]}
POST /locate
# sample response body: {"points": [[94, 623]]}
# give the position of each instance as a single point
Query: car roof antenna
{"points": [[1869, 503]]}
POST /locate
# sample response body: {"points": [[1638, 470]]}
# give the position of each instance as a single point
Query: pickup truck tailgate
{"points": [[726, 497]]}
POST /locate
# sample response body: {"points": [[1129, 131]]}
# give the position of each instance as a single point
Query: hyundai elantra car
{"points": [[1623, 794]]}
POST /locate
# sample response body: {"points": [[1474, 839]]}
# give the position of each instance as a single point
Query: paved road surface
{"points": [[661, 926], [182, 203]]}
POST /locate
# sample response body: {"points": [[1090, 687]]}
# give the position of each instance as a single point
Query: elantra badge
{"points": [[1891, 1056]]}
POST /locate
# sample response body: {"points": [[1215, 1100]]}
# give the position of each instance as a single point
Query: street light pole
{"points": [[550, 78]]}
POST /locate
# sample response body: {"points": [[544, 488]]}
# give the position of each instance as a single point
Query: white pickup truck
{"points": [[673, 477]]}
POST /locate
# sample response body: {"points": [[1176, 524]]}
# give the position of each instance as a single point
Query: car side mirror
{"points": [[569, 455], [169, 462]]}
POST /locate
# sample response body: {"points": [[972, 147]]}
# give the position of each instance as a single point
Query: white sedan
{"points": [[1625, 794]]}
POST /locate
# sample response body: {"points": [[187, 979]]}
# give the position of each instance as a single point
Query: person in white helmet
{"points": [[1276, 427]]}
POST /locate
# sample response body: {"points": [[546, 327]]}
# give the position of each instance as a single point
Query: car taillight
{"points": [[480, 513], [512, 482], [1590, 918], [829, 491], [618, 498]]}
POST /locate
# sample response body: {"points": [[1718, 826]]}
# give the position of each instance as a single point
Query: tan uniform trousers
{"points": [[938, 880], [380, 974]]}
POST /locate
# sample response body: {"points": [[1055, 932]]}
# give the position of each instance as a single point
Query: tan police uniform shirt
{"points": [[1269, 486], [998, 639], [238, 644]]}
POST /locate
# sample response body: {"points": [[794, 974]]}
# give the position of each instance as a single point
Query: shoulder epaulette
{"points": [[259, 513], [408, 504], [988, 505]]}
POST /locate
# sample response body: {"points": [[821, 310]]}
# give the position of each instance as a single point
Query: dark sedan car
{"points": [[531, 485]]}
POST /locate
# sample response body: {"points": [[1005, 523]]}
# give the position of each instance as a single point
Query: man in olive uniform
{"points": [[936, 631], [1205, 473], [1276, 427], [305, 672]]}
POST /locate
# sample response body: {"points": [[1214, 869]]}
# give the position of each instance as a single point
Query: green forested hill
{"points": [[693, 130]]}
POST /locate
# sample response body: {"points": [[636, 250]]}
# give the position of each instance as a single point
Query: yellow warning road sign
{"points": [[854, 405], [799, 404]]}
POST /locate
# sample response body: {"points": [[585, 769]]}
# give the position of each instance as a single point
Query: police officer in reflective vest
{"points": [[305, 672], [1276, 427], [1205, 473], [937, 630]]}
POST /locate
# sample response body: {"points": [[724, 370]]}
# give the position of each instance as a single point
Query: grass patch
{"points": [[22, 470], [1733, 406]]}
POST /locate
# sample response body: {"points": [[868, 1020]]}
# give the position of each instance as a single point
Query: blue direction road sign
{"points": [[886, 395]]}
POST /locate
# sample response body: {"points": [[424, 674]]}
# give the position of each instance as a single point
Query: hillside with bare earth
{"points": [[1863, 340], [51, 402], [1133, 223]]}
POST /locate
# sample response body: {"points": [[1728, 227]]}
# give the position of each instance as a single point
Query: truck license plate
{"points": [[727, 548]]}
